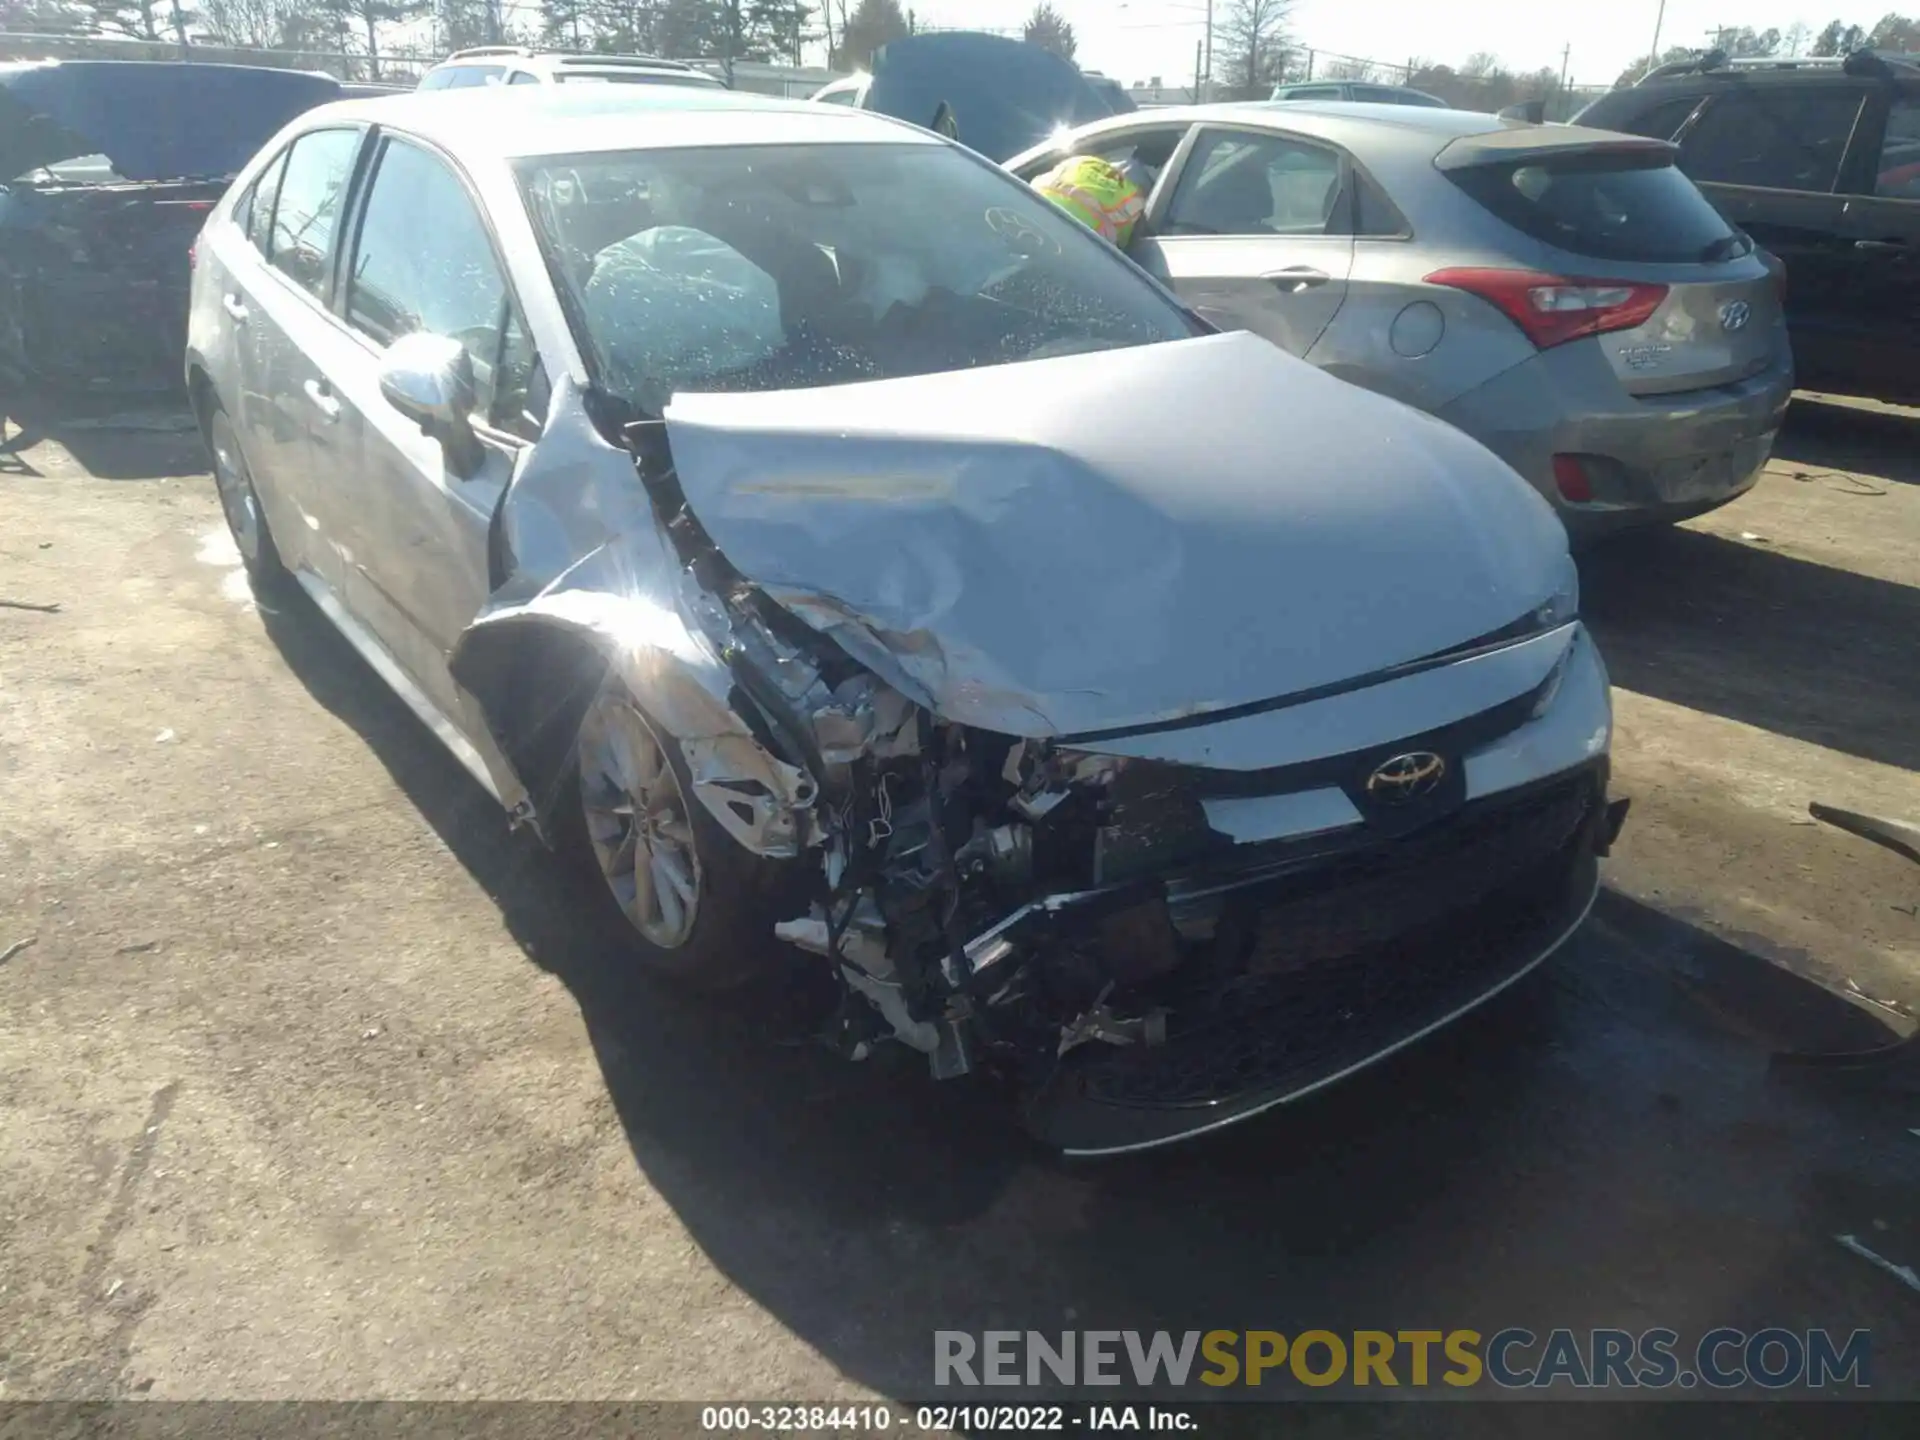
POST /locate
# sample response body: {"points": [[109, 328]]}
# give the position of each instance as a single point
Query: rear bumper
{"points": [[1345, 968], [1649, 460]]}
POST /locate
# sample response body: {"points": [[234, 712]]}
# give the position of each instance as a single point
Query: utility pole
{"points": [[1199, 49], [1209, 45], [1659, 19], [180, 28], [1566, 54]]}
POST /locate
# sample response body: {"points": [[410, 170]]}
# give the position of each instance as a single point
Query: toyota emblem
{"points": [[1735, 314], [1407, 777]]}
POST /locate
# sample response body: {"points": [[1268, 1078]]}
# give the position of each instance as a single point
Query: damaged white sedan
{"points": [[847, 547]]}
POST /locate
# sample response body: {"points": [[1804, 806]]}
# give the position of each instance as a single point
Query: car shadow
{"points": [[1824, 435], [1791, 646], [1599, 1143], [118, 436]]}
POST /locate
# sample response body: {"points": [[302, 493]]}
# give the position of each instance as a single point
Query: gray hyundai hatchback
{"points": [[1564, 295]]}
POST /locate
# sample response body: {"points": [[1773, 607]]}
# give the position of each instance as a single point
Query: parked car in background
{"points": [[1819, 161], [1359, 92], [524, 65], [110, 167], [1564, 295], [812, 522], [996, 96]]}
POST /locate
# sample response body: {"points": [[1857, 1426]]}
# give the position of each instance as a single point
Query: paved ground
{"points": [[313, 1083]]}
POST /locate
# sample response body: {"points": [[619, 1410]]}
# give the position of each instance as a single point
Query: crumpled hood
{"points": [[1098, 541], [153, 120]]}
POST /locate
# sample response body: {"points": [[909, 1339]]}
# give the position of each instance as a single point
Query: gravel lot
{"points": [[313, 1083]]}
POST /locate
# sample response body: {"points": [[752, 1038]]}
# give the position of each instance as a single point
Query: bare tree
{"points": [[1793, 40], [1251, 37], [254, 23], [872, 24], [1048, 29], [371, 15], [1346, 67], [1899, 33], [1839, 39]]}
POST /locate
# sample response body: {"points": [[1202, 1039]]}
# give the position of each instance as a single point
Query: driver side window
{"points": [[424, 261]]}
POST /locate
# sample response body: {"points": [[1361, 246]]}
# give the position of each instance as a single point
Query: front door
{"points": [[1769, 157], [1255, 233], [423, 261], [1883, 228]]}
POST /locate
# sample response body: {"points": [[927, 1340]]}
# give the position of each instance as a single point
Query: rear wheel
{"points": [[240, 503], [700, 906]]}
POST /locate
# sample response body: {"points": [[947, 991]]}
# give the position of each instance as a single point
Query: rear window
{"points": [[1607, 206]]}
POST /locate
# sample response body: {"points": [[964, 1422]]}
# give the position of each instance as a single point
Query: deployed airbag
{"points": [[673, 304]]}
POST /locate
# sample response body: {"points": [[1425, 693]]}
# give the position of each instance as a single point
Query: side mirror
{"points": [[429, 379], [944, 122]]}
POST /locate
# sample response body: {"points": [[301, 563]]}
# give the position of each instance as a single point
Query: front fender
{"points": [[533, 666]]}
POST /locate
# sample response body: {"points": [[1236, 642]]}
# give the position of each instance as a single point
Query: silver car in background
{"points": [[1565, 296]]}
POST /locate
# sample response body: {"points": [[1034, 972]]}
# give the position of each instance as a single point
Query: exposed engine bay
{"points": [[1002, 902]]}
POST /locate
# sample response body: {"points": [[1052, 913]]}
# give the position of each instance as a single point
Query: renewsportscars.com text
{"points": [[1723, 1359]]}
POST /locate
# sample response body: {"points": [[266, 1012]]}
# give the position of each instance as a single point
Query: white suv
{"points": [[520, 65]]}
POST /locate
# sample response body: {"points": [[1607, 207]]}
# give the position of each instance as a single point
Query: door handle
{"points": [[235, 308], [1296, 278], [1878, 246], [322, 398]]}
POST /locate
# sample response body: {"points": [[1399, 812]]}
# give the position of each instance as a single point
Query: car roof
{"points": [[507, 122], [1404, 131]]}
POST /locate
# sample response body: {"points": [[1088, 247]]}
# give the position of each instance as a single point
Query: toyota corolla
{"points": [[859, 564]]}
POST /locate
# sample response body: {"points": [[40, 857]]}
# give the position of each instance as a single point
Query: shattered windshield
{"points": [[785, 267]]}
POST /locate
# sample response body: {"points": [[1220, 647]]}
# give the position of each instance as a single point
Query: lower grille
{"points": [[1408, 884], [1267, 1037]]}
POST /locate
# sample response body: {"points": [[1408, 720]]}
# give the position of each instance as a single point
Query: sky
{"points": [[1132, 40]]}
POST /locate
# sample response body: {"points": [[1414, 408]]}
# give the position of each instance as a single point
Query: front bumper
{"points": [[1650, 459], [1347, 963]]}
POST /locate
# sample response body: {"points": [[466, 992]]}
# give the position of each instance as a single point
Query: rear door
{"points": [[291, 408], [1882, 220], [1769, 157], [423, 259], [1255, 232]]}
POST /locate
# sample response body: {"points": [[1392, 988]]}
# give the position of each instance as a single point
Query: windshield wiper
{"points": [[1727, 247]]}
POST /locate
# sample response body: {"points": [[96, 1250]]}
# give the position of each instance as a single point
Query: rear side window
{"points": [[1312, 92], [313, 183], [1897, 176], [1778, 139], [524, 77], [1238, 183], [255, 213], [1605, 205]]}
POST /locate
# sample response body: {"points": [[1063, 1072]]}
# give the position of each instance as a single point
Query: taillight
{"points": [[1552, 309]]}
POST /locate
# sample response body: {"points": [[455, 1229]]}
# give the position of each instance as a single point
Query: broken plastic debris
{"points": [[164, 737], [1756, 539]]}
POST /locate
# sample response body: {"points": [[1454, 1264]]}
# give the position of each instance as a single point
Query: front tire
{"points": [[240, 503], [699, 906]]}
